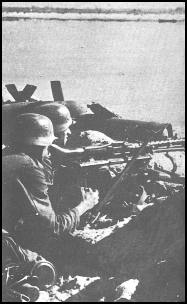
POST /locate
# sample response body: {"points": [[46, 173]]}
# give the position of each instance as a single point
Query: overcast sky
{"points": [[114, 5]]}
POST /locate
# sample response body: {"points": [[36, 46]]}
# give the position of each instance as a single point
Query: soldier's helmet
{"points": [[77, 109], [57, 113], [33, 129]]}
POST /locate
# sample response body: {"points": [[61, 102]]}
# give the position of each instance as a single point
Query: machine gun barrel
{"points": [[170, 143]]}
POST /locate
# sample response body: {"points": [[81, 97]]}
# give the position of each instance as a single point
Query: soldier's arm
{"points": [[35, 190]]}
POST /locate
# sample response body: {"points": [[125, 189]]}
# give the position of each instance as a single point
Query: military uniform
{"points": [[28, 214], [30, 222], [69, 180]]}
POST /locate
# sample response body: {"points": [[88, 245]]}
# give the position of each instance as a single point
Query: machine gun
{"points": [[115, 153], [86, 166], [128, 162]]}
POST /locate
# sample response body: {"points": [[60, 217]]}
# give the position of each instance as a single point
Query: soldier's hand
{"points": [[90, 198]]}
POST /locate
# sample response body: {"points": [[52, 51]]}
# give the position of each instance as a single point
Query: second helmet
{"points": [[77, 109], [57, 113]]}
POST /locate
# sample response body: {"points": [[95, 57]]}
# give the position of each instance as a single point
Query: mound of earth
{"points": [[141, 262]]}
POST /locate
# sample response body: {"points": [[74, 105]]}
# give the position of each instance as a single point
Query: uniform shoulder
{"points": [[17, 160], [89, 138]]}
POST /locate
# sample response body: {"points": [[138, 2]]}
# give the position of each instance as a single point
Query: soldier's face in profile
{"points": [[63, 137], [66, 135]]}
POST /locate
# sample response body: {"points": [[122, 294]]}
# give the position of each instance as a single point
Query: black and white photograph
{"points": [[93, 151]]}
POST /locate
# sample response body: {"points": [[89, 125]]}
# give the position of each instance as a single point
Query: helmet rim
{"points": [[38, 141], [33, 129], [62, 127]]}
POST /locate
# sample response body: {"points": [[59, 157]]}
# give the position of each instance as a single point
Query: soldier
{"points": [[28, 215], [97, 178], [60, 117], [82, 132]]}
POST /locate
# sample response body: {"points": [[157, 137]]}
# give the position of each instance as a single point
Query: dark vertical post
{"points": [[57, 91]]}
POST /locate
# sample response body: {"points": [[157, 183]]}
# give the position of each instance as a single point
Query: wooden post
{"points": [[57, 91]]}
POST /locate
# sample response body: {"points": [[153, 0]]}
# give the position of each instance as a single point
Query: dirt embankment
{"points": [[151, 249], [142, 262]]}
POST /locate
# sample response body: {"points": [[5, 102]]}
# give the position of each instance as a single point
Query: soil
{"points": [[141, 260]]}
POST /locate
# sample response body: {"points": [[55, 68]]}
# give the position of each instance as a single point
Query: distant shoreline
{"points": [[93, 14], [35, 9]]}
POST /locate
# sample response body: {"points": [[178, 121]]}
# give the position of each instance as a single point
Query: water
{"points": [[135, 69]]}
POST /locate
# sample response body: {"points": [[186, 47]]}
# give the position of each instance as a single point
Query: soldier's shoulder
{"points": [[90, 138], [17, 160]]}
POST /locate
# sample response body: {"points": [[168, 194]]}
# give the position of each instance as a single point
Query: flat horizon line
{"points": [[135, 11]]}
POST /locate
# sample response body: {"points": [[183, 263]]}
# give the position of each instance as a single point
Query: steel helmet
{"points": [[57, 113], [33, 129], [76, 108]]}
